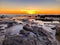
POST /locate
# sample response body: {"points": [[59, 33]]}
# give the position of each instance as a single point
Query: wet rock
{"points": [[19, 40], [31, 35]]}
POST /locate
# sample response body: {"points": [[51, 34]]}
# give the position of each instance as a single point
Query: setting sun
{"points": [[31, 11]]}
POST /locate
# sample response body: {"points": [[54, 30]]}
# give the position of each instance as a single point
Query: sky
{"points": [[29, 6]]}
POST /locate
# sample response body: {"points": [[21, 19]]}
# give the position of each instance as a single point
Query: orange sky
{"points": [[29, 6], [29, 12]]}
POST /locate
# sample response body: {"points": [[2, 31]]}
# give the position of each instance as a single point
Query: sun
{"points": [[31, 11]]}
